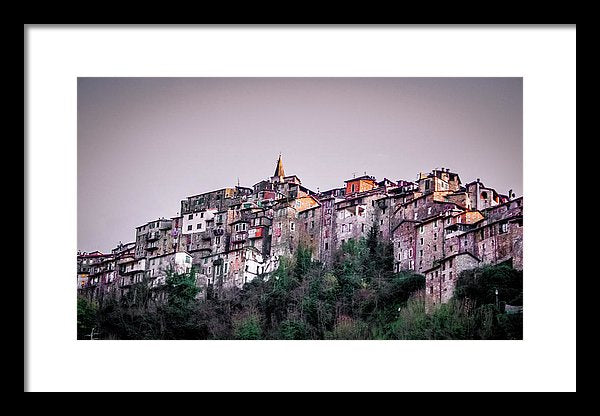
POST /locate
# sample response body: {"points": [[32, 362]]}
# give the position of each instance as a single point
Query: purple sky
{"points": [[146, 143]]}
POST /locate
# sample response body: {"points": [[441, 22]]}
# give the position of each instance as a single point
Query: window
{"points": [[421, 241], [326, 246], [199, 226], [202, 215], [421, 230], [352, 188], [217, 240], [189, 228], [431, 290], [503, 228], [429, 211], [292, 226], [191, 216], [435, 224]]}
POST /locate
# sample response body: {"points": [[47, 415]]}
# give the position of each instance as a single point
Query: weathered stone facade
{"points": [[437, 227], [440, 279]]}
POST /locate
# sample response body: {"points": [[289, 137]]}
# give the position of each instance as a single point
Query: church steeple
{"points": [[279, 168]]}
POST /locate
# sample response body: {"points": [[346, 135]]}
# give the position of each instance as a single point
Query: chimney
{"points": [[510, 194]]}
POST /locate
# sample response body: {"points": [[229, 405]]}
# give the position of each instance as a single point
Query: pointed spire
{"points": [[279, 168]]}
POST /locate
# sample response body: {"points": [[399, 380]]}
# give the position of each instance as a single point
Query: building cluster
{"points": [[438, 227]]}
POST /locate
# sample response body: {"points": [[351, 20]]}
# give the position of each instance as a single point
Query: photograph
{"points": [[300, 208]]}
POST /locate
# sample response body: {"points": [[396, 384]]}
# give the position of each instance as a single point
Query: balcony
{"points": [[152, 246], [240, 236], [165, 225], [152, 236], [219, 231], [255, 232], [125, 260]]}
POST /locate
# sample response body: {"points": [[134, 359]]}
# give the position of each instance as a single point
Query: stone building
{"points": [[309, 229], [440, 279], [482, 197], [101, 277], [328, 235], [438, 180], [355, 216], [158, 267], [85, 262], [152, 238], [437, 226], [404, 240]]}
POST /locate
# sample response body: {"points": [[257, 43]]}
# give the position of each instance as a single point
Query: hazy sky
{"points": [[144, 144]]}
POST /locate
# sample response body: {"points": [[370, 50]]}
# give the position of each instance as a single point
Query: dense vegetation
{"points": [[359, 297]]}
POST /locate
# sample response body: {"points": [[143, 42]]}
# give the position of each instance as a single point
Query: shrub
{"points": [[247, 327]]}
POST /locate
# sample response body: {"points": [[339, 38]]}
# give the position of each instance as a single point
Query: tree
{"points": [[86, 317], [247, 326], [179, 316], [479, 285]]}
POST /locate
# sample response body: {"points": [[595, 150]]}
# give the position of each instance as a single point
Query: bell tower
{"points": [[279, 172]]}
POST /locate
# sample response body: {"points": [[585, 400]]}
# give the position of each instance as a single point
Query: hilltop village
{"points": [[438, 226]]}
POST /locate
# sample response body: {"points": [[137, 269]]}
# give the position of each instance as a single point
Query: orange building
{"points": [[305, 202], [360, 184]]}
